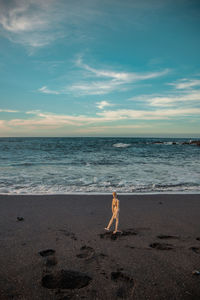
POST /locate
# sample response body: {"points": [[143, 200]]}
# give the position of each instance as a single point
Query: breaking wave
{"points": [[121, 145]]}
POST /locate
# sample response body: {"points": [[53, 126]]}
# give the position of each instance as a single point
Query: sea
{"points": [[98, 165]]}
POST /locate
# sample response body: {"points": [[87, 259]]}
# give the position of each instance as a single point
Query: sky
{"points": [[99, 68]]}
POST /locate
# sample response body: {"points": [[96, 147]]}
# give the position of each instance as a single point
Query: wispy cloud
{"points": [[125, 114], [47, 120], [99, 81], [94, 87], [9, 110], [122, 76], [185, 83], [172, 100], [30, 22], [45, 90], [103, 104], [47, 123], [109, 80], [181, 94]]}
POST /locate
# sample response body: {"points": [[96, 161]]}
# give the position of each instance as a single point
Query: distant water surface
{"points": [[100, 165]]}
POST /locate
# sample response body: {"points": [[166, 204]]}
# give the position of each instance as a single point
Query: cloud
{"points": [[94, 87], [9, 110], [47, 120], [108, 80], [45, 90], [182, 93], [172, 100], [32, 23], [46, 123], [100, 82], [103, 104], [185, 83], [122, 76], [125, 114]]}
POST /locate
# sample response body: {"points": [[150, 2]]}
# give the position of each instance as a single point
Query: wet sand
{"points": [[55, 247]]}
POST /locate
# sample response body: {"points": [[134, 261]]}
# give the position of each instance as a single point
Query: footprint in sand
{"points": [[49, 254], [165, 236], [125, 283], [115, 236], [161, 246], [89, 254], [86, 252], [195, 249], [65, 279], [69, 234]]}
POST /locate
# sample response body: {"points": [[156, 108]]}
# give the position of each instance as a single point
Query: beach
{"points": [[55, 247]]}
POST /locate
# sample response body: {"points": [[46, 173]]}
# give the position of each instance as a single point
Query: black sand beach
{"points": [[153, 258]]}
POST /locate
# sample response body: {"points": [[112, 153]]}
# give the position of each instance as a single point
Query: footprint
{"points": [[114, 236], [125, 284], [161, 246], [97, 257], [20, 219], [119, 275], [86, 252], [164, 236], [65, 279], [47, 252], [49, 255], [69, 234], [195, 249]]}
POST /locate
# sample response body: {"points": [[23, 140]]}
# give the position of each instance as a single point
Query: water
{"points": [[99, 165]]}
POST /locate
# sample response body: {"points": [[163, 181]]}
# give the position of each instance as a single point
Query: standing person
{"points": [[115, 212]]}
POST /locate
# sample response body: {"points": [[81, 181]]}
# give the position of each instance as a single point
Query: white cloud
{"points": [[32, 23], [181, 94], [122, 76], [95, 87], [48, 123], [9, 110], [45, 90], [103, 104], [99, 82], [110, 80], [172, 100], [186, 83], [46, 120], [148, 115]]}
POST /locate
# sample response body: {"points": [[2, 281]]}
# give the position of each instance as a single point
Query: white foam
{"points": [[121, 145]]}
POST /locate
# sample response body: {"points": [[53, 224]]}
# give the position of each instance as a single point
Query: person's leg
{"points": [[110, 223], [116, 224]]}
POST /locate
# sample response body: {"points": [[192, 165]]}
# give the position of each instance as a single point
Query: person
{"points": [[115, 213]]}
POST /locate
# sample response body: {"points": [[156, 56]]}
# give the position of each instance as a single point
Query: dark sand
{"points": [[153, 258]]}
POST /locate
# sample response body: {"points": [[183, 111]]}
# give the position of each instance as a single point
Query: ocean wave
{"points": [[94, 186], [121, 145], [99, 165]]}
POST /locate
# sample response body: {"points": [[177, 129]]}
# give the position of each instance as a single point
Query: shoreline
{"points": [[105, 194]]}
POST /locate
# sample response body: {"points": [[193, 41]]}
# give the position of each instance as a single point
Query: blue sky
{"points": [[99, 68]]}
